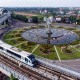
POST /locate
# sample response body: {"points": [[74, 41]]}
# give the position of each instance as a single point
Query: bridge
{"points": [[4, 17]]}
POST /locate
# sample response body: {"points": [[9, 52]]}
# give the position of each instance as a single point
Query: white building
{"points": [[58, 19], [45, 11]]}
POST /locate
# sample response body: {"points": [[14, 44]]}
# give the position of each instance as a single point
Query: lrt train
{"points": [[18, 54]]}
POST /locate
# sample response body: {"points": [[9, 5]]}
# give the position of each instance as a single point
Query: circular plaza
{"points": [[57, 36]]}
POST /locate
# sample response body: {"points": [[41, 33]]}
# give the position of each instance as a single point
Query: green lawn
{"points": [[65, 56], [51, 55], [25, 47]]}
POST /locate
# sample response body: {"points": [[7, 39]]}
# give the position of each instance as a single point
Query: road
{"points": [[61, 24]]}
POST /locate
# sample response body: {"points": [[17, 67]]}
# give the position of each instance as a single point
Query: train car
{"points": [[18, 54]]}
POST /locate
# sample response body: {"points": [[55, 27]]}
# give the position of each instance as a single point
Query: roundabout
{"points": [[56, 37], [15, 38]]}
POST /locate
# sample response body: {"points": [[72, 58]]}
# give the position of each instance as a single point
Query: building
{"points": [[58, 19], [1, 11]]}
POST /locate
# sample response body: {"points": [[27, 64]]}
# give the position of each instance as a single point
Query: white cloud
{"points": [[40, 3]]}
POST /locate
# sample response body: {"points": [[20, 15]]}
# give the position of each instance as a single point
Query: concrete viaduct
{"points": [[4, 18]]}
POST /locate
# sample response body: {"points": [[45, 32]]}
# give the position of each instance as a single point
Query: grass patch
{"points": [[51, 55], [65, 56]]}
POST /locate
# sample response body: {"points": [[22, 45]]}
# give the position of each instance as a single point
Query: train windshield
{"points": [[32, 58]]}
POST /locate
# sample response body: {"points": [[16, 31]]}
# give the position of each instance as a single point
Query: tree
{"points": [[34, 19], [63, 19], [54, 14], [13, 15], [78, 21], [19, 17], [12, 77], [72, 19]]}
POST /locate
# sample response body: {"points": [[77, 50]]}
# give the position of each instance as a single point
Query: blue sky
{"points": [[39, 3]]}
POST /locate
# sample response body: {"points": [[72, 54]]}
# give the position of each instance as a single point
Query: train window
{"points": [[13, 53], [26, 59], [29, 61], [31, 56], [1, 47]]}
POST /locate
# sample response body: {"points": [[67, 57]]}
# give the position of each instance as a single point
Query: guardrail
{"points": [[60, 67]]}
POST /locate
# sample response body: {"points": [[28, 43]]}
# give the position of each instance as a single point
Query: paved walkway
{"points": [[57, 53], [21, 43], [72, 63], [13, 38], [35, 48]]}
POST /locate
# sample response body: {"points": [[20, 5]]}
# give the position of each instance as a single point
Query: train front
{"points": [[32, 60]]}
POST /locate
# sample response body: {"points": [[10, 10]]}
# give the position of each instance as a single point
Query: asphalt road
{"points": [[62, 24]]}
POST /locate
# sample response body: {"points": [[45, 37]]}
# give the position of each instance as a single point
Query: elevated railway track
{"points": [[33, 74], [62, 72], [56, 73], [4, 17], [22, 69]]}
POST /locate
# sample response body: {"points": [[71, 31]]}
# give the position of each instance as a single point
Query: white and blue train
{"points": [[18, 54]]}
